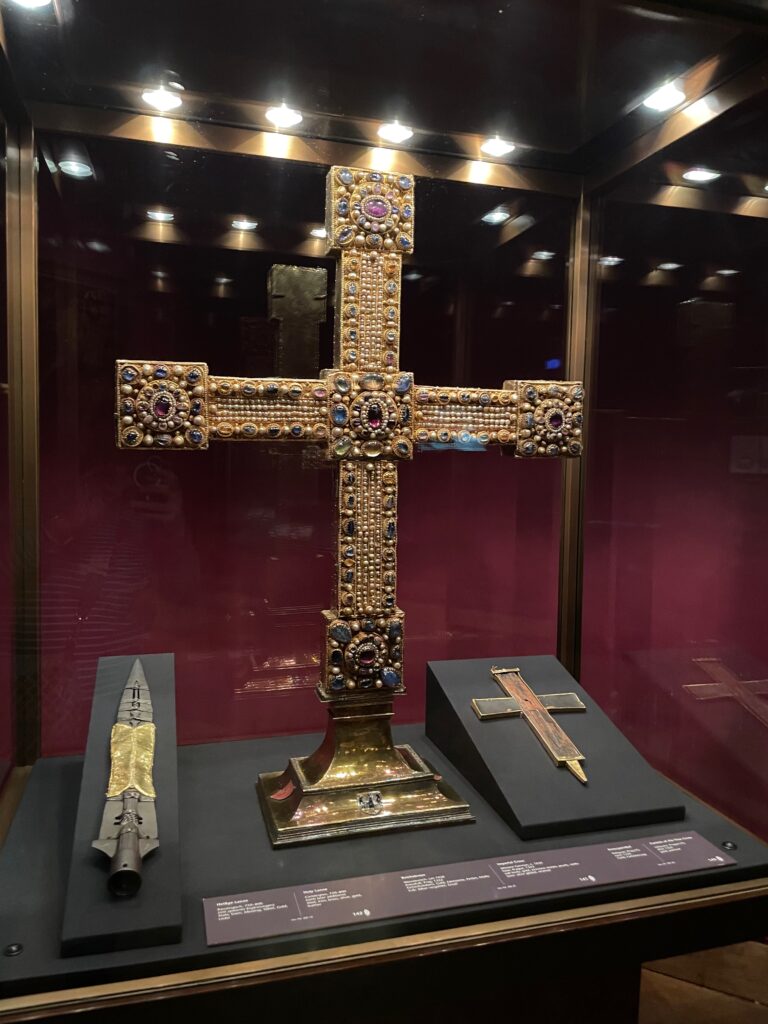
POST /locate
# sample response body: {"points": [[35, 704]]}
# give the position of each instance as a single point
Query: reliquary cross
{"points": [[369, 415]]}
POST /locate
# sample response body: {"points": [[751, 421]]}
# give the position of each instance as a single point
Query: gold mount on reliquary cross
{"points": [[369, 415]]}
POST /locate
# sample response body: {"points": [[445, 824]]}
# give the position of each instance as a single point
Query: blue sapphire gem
{"points": [[132, 437], [336, 657], [349, 575], [389, 502], [196, 407], [129, 373], [297, 430], [352, 334], [577, 419], [403, 385], [390, 529], [349, 528], [271, 389], [464, 437], [349, 479], [404, 242], [193, 376], [126, 407], [344, 236], [407, 211], [389, 601], [163, 440], [405, 414], [529, 448], [577, 393], [483, 438], [249, 390], [295, 391], [350, 501], [195, 436], [342, 385], [337, 682], [161, 372], [395, 630], [403, 183], [273, 430], [349, 552], [249, 429], [444, 436], [390, 677], [342, 207], [375, 176], [401, 449], [339, 415], [485, 398], [369, 626], [531, 394], [528, 421], [374, 239], [345, 176], [341, 633], [391, 288]]}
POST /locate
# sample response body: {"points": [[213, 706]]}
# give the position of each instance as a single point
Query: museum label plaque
{"points": [[257, 915]]}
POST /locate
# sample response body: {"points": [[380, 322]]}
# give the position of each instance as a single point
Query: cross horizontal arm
{"points": [[179, 405], [531, 417]]}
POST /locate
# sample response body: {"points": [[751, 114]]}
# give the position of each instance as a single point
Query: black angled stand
{"points": [[94, 920], [507, 764]]}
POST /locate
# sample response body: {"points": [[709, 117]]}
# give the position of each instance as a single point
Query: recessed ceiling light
{"points": [[543, 254], [394, 132], [319, 233], [96, 246], [243, 224], [159, 273], [163, 216], [75, 168], [700, 174], [669, 266], [284, 116], [727, 272], [664, 98], [413, 275], [497, 216], [33, 3], [164, 98], [497, 147], [223, 280], [610, 261]]}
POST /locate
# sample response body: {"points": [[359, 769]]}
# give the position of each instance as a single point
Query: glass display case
{"points": [[551, 216]]}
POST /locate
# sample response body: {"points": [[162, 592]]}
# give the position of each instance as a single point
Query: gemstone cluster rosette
{"points": [[550, 418], [370, 210], [363, 655], [369, 415], [162, 405]]}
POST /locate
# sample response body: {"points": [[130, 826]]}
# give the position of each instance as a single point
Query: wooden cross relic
{"points": [[369, 415], [521, 702]]}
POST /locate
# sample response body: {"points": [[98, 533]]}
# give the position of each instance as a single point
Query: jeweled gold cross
{"points": [[369, 415]]}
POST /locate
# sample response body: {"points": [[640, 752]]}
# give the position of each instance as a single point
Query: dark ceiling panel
{"points": [[551, 74]]}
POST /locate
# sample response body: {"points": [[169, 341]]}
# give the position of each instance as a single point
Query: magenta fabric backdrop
{"points": [[226, 557], [676, 547]]}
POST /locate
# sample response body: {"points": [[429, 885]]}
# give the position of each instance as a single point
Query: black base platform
{"points": [[225, 849], [507, 764]]}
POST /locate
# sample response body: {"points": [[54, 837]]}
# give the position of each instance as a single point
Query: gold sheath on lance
{"points": [[132, 753]]}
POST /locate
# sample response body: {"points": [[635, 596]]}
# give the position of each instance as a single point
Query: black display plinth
{"points": [[504, 760], [94, 920], [226, 849]]}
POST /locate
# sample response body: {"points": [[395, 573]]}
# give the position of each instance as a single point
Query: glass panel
{"points": [[6, 597], [676, 547], [226, 557]]}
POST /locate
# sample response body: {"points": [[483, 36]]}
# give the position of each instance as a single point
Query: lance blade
{"points": [[129, 822]]}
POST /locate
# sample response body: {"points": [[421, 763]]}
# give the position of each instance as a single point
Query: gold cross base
{"points": [[357, 781]]}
